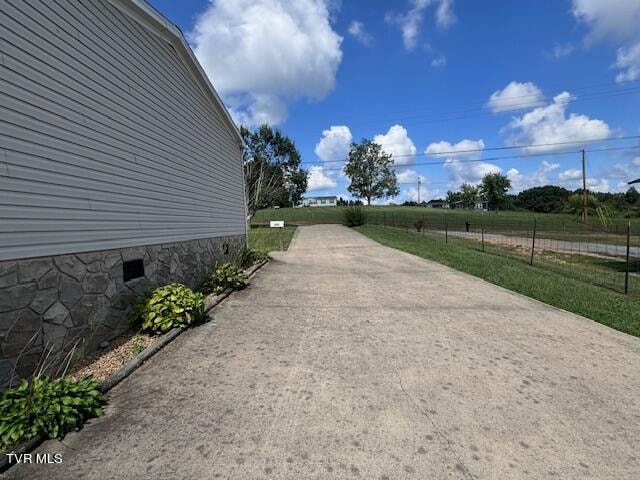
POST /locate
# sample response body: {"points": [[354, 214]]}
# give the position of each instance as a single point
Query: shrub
{"points": [[245, 256], [168, 307], [354, 216], [418, 226], [48, 407], [225, 276]]}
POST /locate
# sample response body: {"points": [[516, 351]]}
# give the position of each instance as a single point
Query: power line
{"points": [[548, 93], [448, 115], [508, 157], [491, 149]]}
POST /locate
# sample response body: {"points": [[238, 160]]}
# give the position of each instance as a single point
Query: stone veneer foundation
{"points": [[65, 298]]}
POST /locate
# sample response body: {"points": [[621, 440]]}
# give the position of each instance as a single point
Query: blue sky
{"points": [[423, 77]]}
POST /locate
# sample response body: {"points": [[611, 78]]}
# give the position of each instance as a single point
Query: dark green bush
{"points": [[354, 216], [225, 276], [48, 407], [168, 307]]}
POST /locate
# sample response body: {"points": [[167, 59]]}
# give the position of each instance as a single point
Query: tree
{"points": [[273, 176], [469, 194], [545, 199], [494, 188], [453, 197], [575, 201], [631, 197], [369, 169]]}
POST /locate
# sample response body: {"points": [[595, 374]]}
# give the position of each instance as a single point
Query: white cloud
{"points": [[617, 21], [540, 176], [464, 148], [439, 61], [397, 143], [473, 173], [411, 194], [411, 21], [261, 53], [334, 144], [598, 185], [550, 124], [409, 176], [319, 180], [357, 31], [614, 19], [461, 172], [628, 60], [444, 14], [569, 175], [562, 50], [636, 161], [515, 96]]}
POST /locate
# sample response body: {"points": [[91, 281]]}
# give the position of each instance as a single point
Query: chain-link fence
{"points": [[607, 256]]}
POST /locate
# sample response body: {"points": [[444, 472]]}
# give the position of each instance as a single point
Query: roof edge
{"points": [[141, 10]]}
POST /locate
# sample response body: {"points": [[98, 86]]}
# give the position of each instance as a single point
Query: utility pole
{"points": [[585, 194], [418, 190]]}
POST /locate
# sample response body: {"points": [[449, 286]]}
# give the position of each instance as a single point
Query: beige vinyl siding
{"points": [[107, 137]]}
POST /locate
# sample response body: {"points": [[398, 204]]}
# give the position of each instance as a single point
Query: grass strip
{"points": [[267, 239]]}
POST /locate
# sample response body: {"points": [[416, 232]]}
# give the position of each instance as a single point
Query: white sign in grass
{"points": [[276, 223]]}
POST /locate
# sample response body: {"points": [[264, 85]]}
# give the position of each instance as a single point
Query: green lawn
{"points": [[603, 305], [268, 239], [436, 218]]}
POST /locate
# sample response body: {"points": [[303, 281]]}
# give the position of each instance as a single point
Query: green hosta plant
{"points": [[225, 276], [48, 407], [167, 307]]}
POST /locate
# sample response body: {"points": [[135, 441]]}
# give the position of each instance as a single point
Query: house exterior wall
{"points": [[113, 147], [106, 138], [81, 299]]}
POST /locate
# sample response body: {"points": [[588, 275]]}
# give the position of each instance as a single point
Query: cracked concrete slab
{"points": [[347, 359]]}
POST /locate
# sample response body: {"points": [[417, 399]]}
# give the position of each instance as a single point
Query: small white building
{"points": [[330, 201]]}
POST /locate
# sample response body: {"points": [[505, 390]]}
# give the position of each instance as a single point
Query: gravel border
{"points": [[114, 379]]}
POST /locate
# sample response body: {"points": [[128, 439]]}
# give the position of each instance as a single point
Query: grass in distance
{"points": [[605, 306], [435, 218], [267, 239]]}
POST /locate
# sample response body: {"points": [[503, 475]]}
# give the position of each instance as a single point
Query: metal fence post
{"points": [[482, 228], [384, 217], [423, 225], [626, 274], [533, 245], [446, 228]]}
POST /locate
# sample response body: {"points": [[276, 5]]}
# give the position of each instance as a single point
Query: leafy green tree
{"points": [[453, 197], [469, 194], [574, 204], [545, 199], [369, 169], [631, 197], [273, 176], [494, 189]]}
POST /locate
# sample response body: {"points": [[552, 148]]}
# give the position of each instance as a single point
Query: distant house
{"points": [[477, 205], [437, 204], [120, 170], [330, 201]]}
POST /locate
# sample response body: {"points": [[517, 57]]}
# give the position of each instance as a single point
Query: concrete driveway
{"points": [[346, 359]]}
